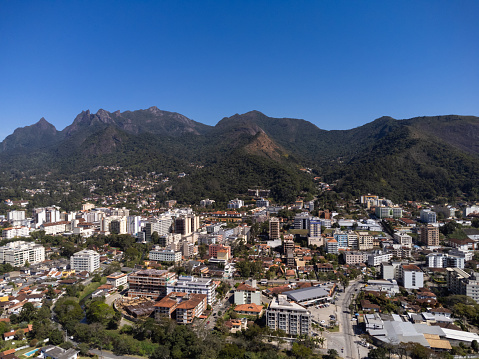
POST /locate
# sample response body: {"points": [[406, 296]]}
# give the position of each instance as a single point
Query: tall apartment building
{"points": [[235, 204], [274, 227], [428, 216], [247, 294], [160, 225], [19, 252], [460, 282], [16, 218], [353, 240], [150, 283], [288, 244], [85, 260], [262, 202], [46, 215], [411, 276], [16, 232], [290, 317], [301, 220], [341, 238], [188, 310], [378, 257], [314, 227], [114, 224], [332, 246], [187, 224], [133, 225], [430, 235]]}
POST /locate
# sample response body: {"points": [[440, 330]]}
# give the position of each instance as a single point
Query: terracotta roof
{"points": [[194, 301], [252, 308], [246, 288], [410, 267]]}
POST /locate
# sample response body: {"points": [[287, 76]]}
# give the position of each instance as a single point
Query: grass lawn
{"points": [[90, 288], [334, 329]]}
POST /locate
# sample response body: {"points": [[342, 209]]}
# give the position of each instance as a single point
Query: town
{"points": [[367, 278]]}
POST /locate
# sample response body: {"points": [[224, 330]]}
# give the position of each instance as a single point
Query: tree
{"points": [[99, 312], [475, 345], [19, 334], [28, 312], [84, 348], [56, 337]]}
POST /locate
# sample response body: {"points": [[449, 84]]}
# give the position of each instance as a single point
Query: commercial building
{"points": [[292, 318], [85, 260], [19, 252]]}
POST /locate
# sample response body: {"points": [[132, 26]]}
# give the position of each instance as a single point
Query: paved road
{"points": [[345, 339]]}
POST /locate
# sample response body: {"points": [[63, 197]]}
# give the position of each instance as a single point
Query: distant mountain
{"points": [[423, 157], [41, 134]]}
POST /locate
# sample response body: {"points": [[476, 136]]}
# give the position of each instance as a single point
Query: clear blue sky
{"points": [[338, 64]]}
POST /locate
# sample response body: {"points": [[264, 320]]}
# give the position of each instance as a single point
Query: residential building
{"points": [[332, 246], [388, 212], [160, 225], [16, 218], [274, 227], [341, 238], [411, 276], [290, 317], [85, 260], [462, 283], [54, 352], [206, 202], [193, 285], [261, 202], [378, 257], [235, 204], [301, 220], [443, 260], [133, 225], [165, 255], [187, 224], [19, 252], [188, 310], [116, 279], [403, 239], [471, 210], [151, 283], [352, 258], [247, 294], [428, 216], [16, 232], [353, 240], [365, 241], [430, 235], [214, 248]]}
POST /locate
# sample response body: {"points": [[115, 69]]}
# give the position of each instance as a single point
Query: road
{"points": [[345, 338]]}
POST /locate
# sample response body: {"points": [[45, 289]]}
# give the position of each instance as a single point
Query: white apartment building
{"points": [[290, 317], [411, 276], [192, 285], [116, 279], [165, 255], [379, 257], [19, 252], [85, 260], [301, 220], [16, 218], [247, 294], [16, 232], [55, 228], [235, 204]]}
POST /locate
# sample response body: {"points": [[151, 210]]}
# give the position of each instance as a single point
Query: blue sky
{"points": [[337, 64]]}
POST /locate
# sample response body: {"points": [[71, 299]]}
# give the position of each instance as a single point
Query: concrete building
{"points": [[274, 228], [262, 202], [188, 310], [411, 276], [187, 224], [332, 246], [352, 258], [403, 239], [235, 204], [165, 255], [85, 260], [378, 257], [19, 252], [430, 235], [462, 283], [247, 294], [193, 285], [16, 232], [428, 216], [301, 220], [116, 279], [160, 225], [388, 212], [292, 318], [365, 241], [214, 248], [151, 283]]}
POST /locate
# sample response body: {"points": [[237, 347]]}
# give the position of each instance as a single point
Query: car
{"points": [[208, 322], [323, 322], [214, 314]]}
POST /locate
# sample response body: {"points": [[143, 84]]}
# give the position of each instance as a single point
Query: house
{"points": [[368, 306], [249, 309], [54, 352]]}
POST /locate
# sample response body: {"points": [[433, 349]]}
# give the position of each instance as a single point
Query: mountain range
{"points": [[417, 158]]}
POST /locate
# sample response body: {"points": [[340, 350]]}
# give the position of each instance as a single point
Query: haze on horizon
{"points": [[336, 64]]}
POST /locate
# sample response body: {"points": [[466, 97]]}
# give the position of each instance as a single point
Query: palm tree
{"points": [[321, 341]]}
